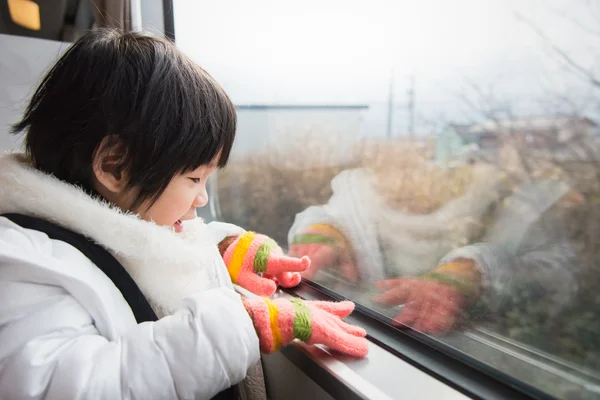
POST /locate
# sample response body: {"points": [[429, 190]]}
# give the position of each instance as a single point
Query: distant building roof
{"points": [[531, 124], [300, 107]]}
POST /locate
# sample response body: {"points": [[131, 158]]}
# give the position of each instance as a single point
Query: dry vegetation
{"points": [[265, 191]]}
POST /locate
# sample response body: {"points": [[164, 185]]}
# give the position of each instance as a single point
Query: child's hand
{"points": [[432, 302], [327, 249], [252, 254], [278, 322]]}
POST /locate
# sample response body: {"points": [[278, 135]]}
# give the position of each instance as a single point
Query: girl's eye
{"points": [[195, 180]]}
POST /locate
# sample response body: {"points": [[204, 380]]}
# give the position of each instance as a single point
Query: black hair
{"points": [[133, 91]]}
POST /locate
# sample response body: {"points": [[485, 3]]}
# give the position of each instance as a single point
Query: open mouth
{"points": [[178, 226]]}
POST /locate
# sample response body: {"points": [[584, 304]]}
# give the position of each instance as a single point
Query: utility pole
{"points": [[390, 116], [411, 107]]}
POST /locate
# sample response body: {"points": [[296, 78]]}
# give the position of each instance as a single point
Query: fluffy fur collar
{"points": [[166, 266]]}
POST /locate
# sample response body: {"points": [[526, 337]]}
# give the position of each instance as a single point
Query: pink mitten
{"points": [[278, 322], [434, 301], [327, 248], [257, 263]]}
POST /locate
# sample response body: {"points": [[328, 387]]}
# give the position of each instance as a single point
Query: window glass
{"points": [[438, 161]]}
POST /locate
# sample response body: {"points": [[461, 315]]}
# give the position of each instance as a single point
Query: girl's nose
{"points": [[201, 200]]}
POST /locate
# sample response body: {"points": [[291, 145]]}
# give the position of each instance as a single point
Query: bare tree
{"points": [[562, 55]]}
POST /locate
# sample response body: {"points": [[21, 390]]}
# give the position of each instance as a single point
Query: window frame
{"points": [[169, 19], [458, 370]]}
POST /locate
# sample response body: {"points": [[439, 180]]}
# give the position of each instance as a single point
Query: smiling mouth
{"points": [[178, 226]]}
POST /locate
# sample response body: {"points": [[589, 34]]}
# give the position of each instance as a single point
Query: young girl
{"points": [[121, 136]]}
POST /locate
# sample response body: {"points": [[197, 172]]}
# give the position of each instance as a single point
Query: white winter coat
{"points": [[66, 331]]}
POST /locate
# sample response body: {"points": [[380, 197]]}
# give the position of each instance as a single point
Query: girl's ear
{"points": [[108, 166]]}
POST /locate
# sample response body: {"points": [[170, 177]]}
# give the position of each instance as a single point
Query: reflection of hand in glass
{"points": [[432, 302], [327, 248]]}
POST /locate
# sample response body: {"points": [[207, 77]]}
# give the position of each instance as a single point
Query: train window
{"points": [[439, 161]]}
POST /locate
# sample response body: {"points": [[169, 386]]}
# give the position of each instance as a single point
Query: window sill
{"points": [[398, 366], [382, 375], [379, 376]]}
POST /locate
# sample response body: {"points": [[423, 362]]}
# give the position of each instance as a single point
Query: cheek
{"points": [[168, 209]]}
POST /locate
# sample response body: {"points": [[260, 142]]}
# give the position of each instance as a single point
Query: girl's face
{"points": [[180, 199], [184, 193]]}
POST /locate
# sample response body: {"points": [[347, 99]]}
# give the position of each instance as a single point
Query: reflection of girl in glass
{"points": [[422, 256]]}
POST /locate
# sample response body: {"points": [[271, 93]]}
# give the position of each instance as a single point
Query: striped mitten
{"points": [[433, 302], [327, 249], [278, 322], [257, 263]]}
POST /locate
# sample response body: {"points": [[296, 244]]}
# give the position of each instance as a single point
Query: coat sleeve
{"points": [[549, 267], [220, 230], [350, 210], [50, 348], [526, 248]]}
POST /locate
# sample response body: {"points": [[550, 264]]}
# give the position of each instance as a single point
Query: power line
{"points": [[390, 116], [411, 106]]}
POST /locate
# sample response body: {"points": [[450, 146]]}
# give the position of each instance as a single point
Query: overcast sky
{"points": [[343, 51]]}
